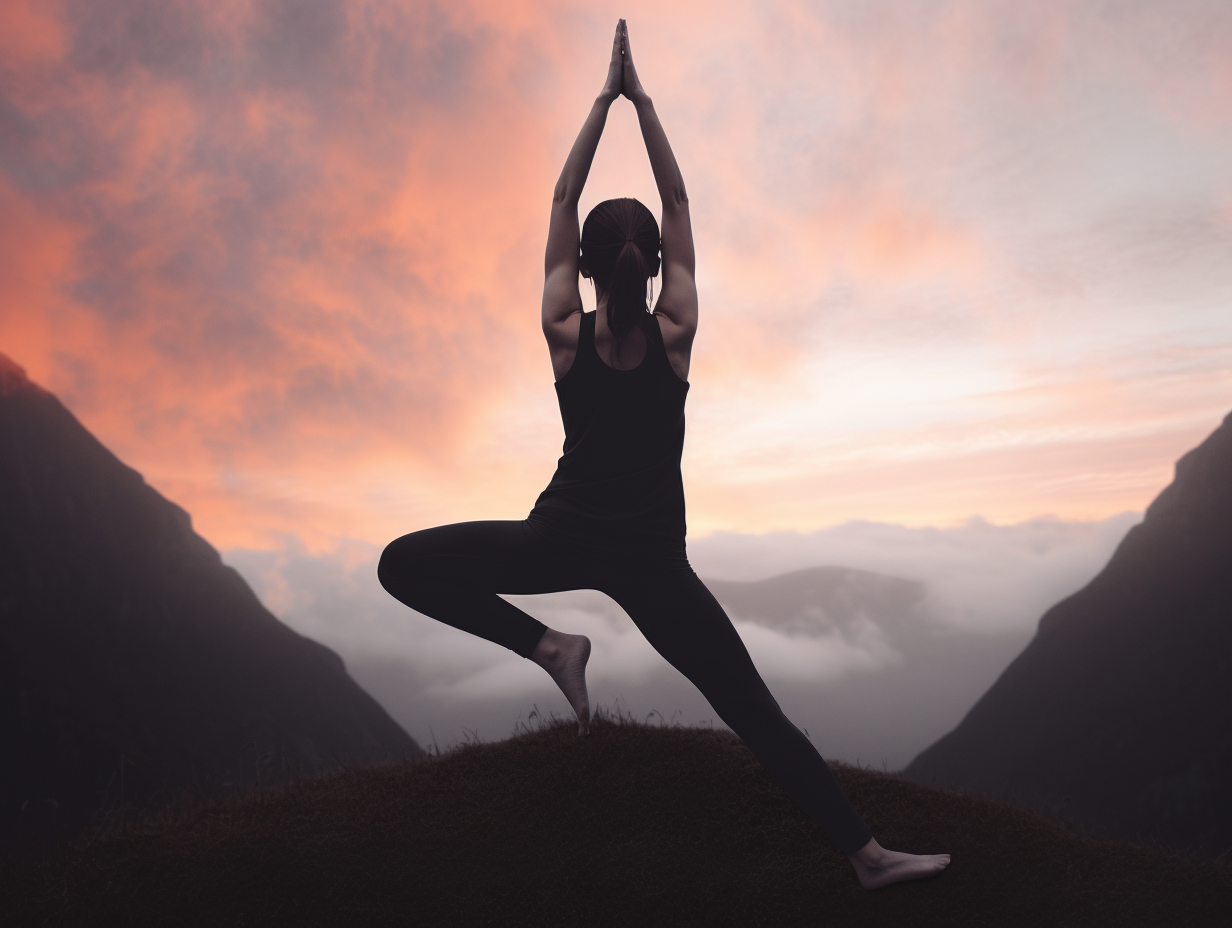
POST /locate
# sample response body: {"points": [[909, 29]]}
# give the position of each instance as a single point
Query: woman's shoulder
{"points": [[676, 341]]}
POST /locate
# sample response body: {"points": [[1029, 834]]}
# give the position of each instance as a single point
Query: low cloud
{"points": [[984, 587], [979, 576]]}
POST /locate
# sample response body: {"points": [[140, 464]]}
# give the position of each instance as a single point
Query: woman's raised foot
{"points": [[876, 867], [564, 657]]}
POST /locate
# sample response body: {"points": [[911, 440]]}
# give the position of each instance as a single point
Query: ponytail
{"points": [[626, 295]]}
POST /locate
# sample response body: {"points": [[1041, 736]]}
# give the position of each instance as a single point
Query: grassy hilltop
{"points": [[635, 826]]}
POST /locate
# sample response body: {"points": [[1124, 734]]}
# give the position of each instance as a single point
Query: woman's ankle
{"points": [[547, 650], [870, 855]]}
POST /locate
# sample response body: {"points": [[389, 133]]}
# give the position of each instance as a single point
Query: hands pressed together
{"points": [[622, 79], [677, 303]]}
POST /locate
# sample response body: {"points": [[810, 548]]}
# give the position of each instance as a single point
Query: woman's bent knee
{"points": [[398, 566], [412, 569]]}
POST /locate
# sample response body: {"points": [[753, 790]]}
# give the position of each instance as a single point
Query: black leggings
{"points": [[453, 573]]}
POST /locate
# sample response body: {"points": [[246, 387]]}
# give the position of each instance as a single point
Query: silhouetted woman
{"points": [[612, 518]]}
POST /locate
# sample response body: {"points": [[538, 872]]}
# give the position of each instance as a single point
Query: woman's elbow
{"points": [[564, 195]]}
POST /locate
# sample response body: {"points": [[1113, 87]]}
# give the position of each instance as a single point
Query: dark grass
{"points": [[635, 826]]}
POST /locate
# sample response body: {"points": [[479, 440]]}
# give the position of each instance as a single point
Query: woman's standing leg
{"points": [[453, 574], [685, 624]]}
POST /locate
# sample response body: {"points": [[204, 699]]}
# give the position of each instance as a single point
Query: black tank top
{"points": [[617, 490]]}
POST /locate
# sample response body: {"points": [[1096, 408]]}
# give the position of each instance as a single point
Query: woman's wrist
{"points": [[640, 98], [606, 97]]}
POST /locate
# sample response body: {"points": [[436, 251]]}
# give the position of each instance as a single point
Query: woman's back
{"points": [[617, 486]]}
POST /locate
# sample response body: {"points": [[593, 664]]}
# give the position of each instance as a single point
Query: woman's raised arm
{"points": [[677, 303], [562, 301]]}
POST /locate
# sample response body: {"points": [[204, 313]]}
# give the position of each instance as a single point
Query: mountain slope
{"points": [[1119, 711], [131, 658]]}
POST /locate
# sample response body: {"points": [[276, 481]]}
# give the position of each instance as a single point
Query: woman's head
{"points": [[620, 252]]}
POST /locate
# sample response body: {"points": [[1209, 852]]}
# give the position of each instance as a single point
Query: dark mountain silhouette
{"points": [[1119, 712], [132, 660]]}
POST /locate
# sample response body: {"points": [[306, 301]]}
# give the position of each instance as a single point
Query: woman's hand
{"points": [[613, 86], [630, 85]]}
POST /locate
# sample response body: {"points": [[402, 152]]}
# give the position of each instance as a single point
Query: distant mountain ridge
{"points": [[923, 674], [1119, 712], [131, 658], [819, 599]]}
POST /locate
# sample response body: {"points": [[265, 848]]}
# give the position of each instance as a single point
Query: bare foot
{"points": [[876, 867], [564, 657]]}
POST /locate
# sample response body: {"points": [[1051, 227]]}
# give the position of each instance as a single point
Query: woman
{"points": [[612, 518]]}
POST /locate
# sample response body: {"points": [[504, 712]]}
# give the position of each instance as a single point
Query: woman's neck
{"points": [[621, 353]]}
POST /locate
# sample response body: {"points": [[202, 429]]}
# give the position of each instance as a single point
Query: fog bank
{"points": [[876, 688]]}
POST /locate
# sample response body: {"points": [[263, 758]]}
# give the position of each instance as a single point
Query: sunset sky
{"points": [[955, 259]]}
